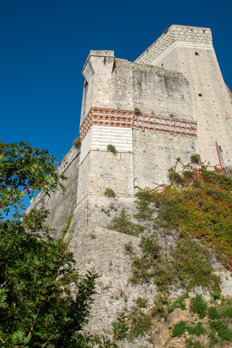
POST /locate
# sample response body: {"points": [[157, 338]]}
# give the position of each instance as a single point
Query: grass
{"points": [[193, 344], [196, 330], [220, 322], [199, 306], [222, 329], [139, 323], [67, 225], [195, 159], [179, 329], [179, 302], [225, 309], [129, 327], [213, 313], [129, 248]]}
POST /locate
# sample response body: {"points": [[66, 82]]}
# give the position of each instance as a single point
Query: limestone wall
{"points": [[156, 152], [189, 50], [122, 85], [147, 141], [61, 204], [98, 138], [184, 107]]}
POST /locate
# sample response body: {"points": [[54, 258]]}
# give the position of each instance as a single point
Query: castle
{"points": [[183, 107], [171, 102]]}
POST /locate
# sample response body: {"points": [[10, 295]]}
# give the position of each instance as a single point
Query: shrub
{"points": [[192, 265], [109, 192], [119, 327], [111, 148], [153, 264], [140, 323], [150, 246], [124, 225], [161, 307], [77, 143], [137, 111], [128, 248], [144, 198], [188, 266], [195, 159], [141, 302]]}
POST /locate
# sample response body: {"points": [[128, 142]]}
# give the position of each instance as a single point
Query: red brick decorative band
{"points": [[129, 119]]}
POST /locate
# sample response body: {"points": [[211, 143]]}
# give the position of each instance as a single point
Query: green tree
{"points": [[44, 302]]}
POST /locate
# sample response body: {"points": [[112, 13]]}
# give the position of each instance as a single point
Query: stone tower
{"points": [[189, 50], [171, 102]]}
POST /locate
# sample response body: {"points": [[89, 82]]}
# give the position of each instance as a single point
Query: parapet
{"points": [[176, 35], [95, 60]]}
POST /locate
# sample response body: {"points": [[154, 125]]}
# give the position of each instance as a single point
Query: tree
{"points": [[44, 302]]}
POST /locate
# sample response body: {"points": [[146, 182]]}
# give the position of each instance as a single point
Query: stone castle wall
{"points": [[189, 50], [61, 204], [147, 141], [183, 107]]}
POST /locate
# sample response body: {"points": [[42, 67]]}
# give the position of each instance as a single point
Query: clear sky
{"points": [[44, 45]]}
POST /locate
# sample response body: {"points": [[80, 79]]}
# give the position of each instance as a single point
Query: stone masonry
{"points": [[171, 102]]}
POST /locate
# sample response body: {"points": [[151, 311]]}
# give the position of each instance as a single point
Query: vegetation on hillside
{"points": [[197, 203], [194, 212]]}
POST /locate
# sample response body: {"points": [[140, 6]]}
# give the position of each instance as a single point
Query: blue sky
{"points": [[44, 44]]}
